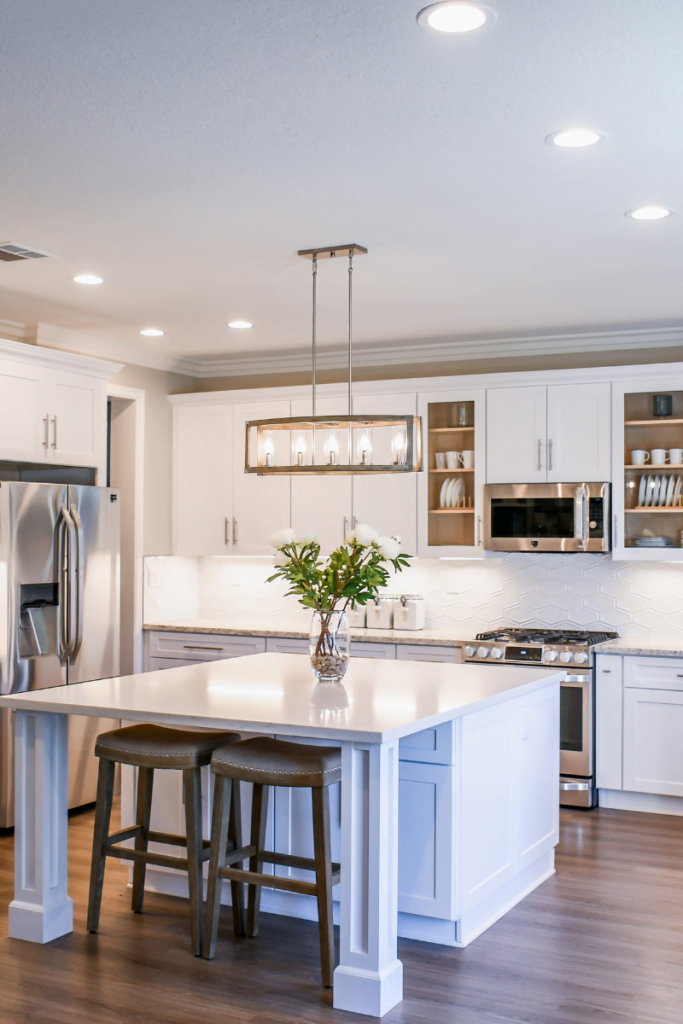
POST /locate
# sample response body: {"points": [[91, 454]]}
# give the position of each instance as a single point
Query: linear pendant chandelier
{"points": [[333, 444]]}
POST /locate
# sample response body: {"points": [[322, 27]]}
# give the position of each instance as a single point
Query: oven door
{"points": [[546, 517], [576, 726]]}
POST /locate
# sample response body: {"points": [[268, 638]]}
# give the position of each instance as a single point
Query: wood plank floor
{"points": [[600, 942]]}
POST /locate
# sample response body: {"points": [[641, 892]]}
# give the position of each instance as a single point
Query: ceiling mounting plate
{"points": [[328, 251]]}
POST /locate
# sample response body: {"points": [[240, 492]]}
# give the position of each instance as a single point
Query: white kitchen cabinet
{"points": [[516, 435], [425, 652], [189, 648], [323, 503], [363, 649], [75, 420], [426, 862], [456, 531], [579, 425], [286, 645], [24, 424], [653, 752], [261, 504], [609, 700], [559, 433], [202, 479], [387, 501]]}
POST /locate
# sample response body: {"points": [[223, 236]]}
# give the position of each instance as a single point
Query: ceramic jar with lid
{"points": [[409, 612]]}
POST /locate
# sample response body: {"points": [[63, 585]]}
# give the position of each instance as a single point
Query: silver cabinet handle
{"points": [[540, 445], [197, 647], [550, 453], [345, 529], [234, 531], [226, 532], [614, 532], [78, 581], [478, 531], [607, 671], [46, 440], [354, 522], [54, 424]]}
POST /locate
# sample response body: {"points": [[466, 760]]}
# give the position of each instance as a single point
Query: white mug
{"points": [[440, 460], [467, 460], [639, 457], [676, 456], [659, 456], [452, 460]]}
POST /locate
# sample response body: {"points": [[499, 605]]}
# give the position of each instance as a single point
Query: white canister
{"points": [[380, 613], [356, 617], [409, 612]]}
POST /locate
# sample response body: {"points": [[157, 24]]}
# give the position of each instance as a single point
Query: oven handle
{"points": [[582, 786]]}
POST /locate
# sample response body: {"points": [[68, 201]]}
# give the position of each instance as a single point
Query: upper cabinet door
{"points": [[516, 435], [202, 479], [387, 501], [323, 503], [23, 427], [75, 407], [261, 504], [579, 425]]}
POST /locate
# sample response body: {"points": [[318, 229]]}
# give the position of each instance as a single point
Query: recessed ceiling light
{"points": [[455, 16], [575, 138], [240, 325], [88, 279], [649, 213], [152, 332]]}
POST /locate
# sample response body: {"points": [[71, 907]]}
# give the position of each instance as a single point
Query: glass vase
{"points": [[329, 644]]}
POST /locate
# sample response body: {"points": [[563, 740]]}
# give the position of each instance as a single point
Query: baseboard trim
{"points": [[648, 803]]}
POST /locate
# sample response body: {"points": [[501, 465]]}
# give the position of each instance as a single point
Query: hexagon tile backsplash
{"points": [[574, 591]]}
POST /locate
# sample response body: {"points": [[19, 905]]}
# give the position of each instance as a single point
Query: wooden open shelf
{"points": [[451, 471], [450, 527], [452, 511], [448, 430], [662, 421], [659, 467], [655, 510]]}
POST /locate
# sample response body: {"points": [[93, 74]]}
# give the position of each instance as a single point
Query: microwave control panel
{"points": [[596, 518]]}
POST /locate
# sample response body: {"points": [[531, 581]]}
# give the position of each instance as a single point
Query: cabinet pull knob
{"points": [[227, 530], [679, 675], [607, 671], [540, 445], [46, 440], [234, 531]]}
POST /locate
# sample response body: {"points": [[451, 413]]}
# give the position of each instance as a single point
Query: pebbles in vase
{"points": [[330, 665]]}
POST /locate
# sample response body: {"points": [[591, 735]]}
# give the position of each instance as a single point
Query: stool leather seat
{"points": [[271, 762], [158, 746]]}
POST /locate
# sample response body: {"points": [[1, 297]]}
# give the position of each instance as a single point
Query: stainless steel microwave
{"points": [[547, 517]]}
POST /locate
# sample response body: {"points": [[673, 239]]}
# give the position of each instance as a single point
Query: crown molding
{"points": [[442, 350], [26, 352], [104, 348]]}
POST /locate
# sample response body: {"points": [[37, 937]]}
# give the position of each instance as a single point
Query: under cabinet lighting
{"points": [[454, 16], [88, 279], [649, 213]]}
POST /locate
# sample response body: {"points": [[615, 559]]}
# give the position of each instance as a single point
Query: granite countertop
{"points": [[432, 637], [645, 648]]}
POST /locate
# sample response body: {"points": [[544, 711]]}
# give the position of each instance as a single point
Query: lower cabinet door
{"points": [[653, 752], [426, 860]]}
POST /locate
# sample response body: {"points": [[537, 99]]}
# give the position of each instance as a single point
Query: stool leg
{"points": [[323, 879], [235, 843], [259, 815], [143, 813], [105, 793], [219, 837], [192, 781]]}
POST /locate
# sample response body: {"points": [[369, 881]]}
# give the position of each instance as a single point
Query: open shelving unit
{"points": [[446, 432], [645, 431]]}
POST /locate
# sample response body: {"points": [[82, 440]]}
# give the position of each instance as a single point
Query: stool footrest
{"points": [[172, 840], [270, 881], [162, 860], [120, 837]]}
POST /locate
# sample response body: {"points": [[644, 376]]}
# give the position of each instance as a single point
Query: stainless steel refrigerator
{"points": [[59, 610]]}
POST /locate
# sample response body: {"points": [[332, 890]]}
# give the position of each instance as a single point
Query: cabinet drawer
{"points": [[203, 647], [425, 652], [361, 649], [156, 664], [653, 673], [286, 645], [431, 746]]}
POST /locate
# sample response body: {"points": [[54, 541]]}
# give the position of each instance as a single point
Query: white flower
{"points": [[281, 558], [362, 535], [306, 537], [280, 538], [389, 547]]}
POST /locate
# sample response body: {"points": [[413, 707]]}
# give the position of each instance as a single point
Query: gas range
{"points": [[532, 646]]}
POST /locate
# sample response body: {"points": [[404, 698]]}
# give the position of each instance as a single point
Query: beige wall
{"points": [[158, 385]]}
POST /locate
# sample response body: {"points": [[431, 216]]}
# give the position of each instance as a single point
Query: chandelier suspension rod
{"points": [[314, 263], [350, 329]]}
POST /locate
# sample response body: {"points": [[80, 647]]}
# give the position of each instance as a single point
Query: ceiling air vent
{"points": [[14, 251]]}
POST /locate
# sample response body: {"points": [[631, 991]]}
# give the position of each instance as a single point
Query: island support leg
{"points": [[369, 978], [41, 909]]}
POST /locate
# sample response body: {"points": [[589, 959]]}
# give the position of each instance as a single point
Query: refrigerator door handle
{"points": [[64, 535], [76, 582]]}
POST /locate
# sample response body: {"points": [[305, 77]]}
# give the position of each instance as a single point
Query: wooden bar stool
{"points": [[269, 762], [149, 747]]}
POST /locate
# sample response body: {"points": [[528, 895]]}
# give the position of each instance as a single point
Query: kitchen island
{"points": [[498, 727]]}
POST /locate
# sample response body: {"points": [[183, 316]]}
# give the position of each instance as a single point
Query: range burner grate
{"points": [[578, 637]]}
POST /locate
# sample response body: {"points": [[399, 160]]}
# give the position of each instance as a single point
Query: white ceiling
{"points": [[186, 150]]}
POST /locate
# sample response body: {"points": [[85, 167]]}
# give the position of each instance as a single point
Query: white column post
{"points": [[369, 978], [41, 909]]}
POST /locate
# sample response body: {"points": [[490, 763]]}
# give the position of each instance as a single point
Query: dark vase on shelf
{"points": [[662, 405]]}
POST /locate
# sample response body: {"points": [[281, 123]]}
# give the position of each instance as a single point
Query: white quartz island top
{"points": [[642, 648], [223, 627], [275, 693]]}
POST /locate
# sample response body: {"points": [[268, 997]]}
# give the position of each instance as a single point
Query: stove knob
{"points": [[580, 657], [497, 652], [483, 652], [470, 652], [566, 656], [551, 655]]}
